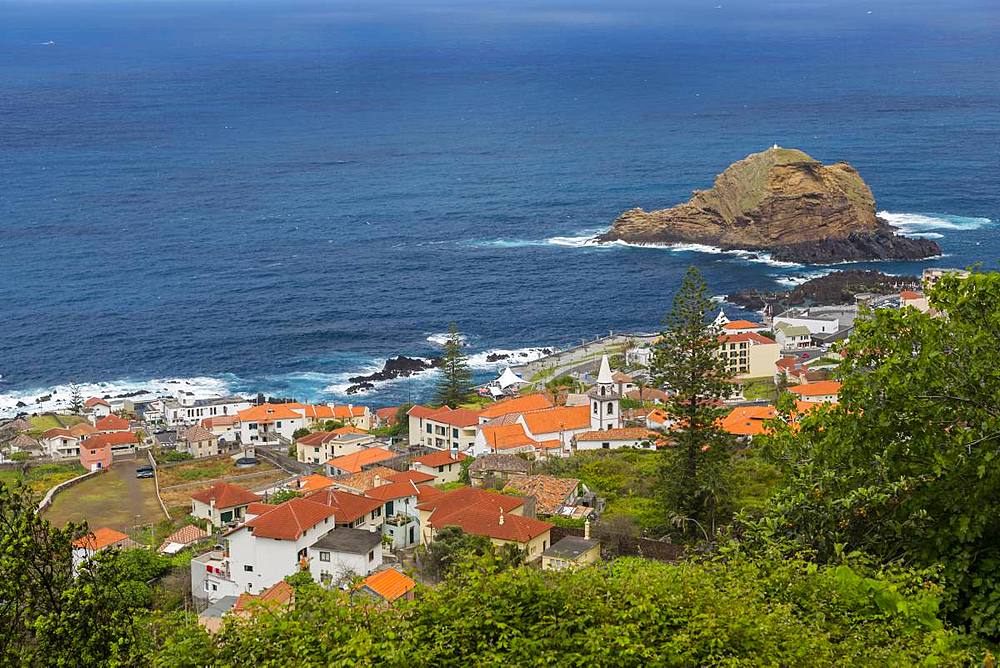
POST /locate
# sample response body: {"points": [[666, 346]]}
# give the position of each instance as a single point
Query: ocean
{"points": [[274, 196]]}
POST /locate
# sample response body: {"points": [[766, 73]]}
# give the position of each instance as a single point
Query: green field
{"points": [[42, 423], [41, 478]]}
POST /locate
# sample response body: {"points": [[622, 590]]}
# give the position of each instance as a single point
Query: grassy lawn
{"points": [[41, 478], [42, 423], [203, 469], [760, 388], [115, 499]]}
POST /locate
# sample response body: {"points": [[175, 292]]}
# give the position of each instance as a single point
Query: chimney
{"points": [[377, 481], [501, 515], [586, 530]]}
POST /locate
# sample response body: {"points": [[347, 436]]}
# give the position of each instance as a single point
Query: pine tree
{"points": [[75, 399], [455, 386], [687, 363]]}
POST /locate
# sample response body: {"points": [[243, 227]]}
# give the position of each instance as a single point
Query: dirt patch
{"points": [[179, 496], [115, 499]]}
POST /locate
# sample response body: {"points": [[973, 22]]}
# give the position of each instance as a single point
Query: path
{"points": [[580, 357]]}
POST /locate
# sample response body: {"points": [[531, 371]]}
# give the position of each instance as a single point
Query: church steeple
{"points": [[605, 409]]}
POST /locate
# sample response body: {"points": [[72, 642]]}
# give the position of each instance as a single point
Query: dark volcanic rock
{"points": [[836, 288], [883, 244], [395, 367]]}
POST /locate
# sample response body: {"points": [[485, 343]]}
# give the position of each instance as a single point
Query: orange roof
{"points": [[419, 411], [492, 522], [276, 596], [313, 482], [353, 463], [259, 508], [111, 423], [341, 412], [107, 440], [456, 417], [392, 490], [98, 539], [742, 324], [623, 434], [347, 507], [507, 436], [220, 421], [266, 413], [95, 401], [56, 432], [225, 495], [658, 415], [561, 417], [416, 477], [817, 389], [748, 420], [550, 492], [745, 337], [362, 481], [82, 429], [528, 402], [464, 497], [289, 520], [321, 437], [390, 584], [439, 458], [910, 294]]}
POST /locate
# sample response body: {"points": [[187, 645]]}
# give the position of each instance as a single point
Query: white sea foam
{"points": [[441, 338], [514, 357], [918, 224], [798, 279], [58, 397]]}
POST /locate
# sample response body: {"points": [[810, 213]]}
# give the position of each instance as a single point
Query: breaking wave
{"points": [[921, 224]]}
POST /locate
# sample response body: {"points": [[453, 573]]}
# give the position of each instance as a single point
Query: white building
{"points": [[792, 336], [445, 466], [617, 439], [605, 411], [345, 554], [188, 411]]}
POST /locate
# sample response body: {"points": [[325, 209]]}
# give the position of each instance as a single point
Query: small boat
{"points": [[48, 43]]}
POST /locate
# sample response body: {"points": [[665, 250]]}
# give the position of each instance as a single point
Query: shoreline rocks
{"points": [[400, 366], [783, 202], [836, 288]]}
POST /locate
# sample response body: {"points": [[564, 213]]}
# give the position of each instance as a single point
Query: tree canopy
{"points": [[455, 385]]}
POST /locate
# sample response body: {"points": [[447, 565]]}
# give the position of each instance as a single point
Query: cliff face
{"points": [[782, 201]]}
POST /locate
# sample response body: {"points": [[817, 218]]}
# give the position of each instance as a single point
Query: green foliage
{"points": [[455, 385], [19, 456], [686, 360], [741, 611], [300, 432], [906, 466], [283, 495], [450, 546], [174, 456], [329, 425]]}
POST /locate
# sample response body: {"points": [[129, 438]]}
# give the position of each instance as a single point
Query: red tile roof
{"points": [[419, 411], [507, 436], [648, 394], [440, 458], [528, 402], [321, 437], [622, 434], [95, 401], [455, 417], [259, 508], [279, 595], [289, 520], [742, 324], [111, 423], [185, 536], [225, 495], [98, 539], [552, 420], [464, 497], [362, 481], [392, 491], [106, 440], [493, 523], [347, 507], [267, 413], [748, 420], [820, 388], [220, 421], [353, 462], [313, 482], [415, 477], [746, 337], [910, 294], [550, 492], [390, 584]]}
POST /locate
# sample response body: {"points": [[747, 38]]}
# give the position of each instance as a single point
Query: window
{"points": [[252, 426], [454, 433], [206, 585], [606, 446], [441, 469], [324, 556], [595, 408], [371, 556], [429, 429], [390, 508], [611, 409], [215, 587], [248, 568]]}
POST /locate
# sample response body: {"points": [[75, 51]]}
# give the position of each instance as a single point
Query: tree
{"points": [[455, 385], [75, 399], [283, 495], [688, 363], [450, 546], [300, 432], [906, 466], [49, 616]]}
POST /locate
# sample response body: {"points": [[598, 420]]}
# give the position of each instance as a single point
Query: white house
{"points": [[792, 336], [445, 465], [187, 410], [824, 391], [443, 428], [222, 503], [321, 446], [95, 541], [616, 439], [97, 407], [344, 554]]}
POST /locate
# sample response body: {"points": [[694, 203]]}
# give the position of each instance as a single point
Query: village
{"points": [[250, 492]]}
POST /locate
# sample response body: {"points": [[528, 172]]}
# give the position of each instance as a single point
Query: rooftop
{"points": [[570, 547], [528, 402], [390, 584], [440, 458], [98, 539], [550, 492], [225, 495], [354, 462], [350, 541], [289, 520]]}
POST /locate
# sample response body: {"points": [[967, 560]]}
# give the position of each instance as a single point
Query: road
{"points": [[583, 357]]}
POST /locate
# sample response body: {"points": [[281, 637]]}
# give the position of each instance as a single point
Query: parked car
{"points": [[144, 472]]}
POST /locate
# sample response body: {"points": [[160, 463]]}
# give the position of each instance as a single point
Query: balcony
{"points": [[214, 563]]}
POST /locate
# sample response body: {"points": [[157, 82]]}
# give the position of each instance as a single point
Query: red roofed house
{"points": [[95, 454], [320, 446], [445, 465], [443, 428], [110, 423], [616, 439], [917, 300], [266, 423], [97, 407], [117, 442], [522, 404], [749, 355], [388, 585], [358, 461], [742, 327], [748, 421], [222, 503], [824, 391], [385, 417], [95, 541], [496, 516]]}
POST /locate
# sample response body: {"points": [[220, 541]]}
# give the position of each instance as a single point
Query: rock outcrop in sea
{"points": [[840, 287], [783, 202], [395, 367]]}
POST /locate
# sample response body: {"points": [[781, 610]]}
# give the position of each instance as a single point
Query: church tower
{"points": [[605, 409]]}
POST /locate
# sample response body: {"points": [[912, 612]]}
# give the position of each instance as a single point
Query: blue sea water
{"points": [[275, 195]]}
